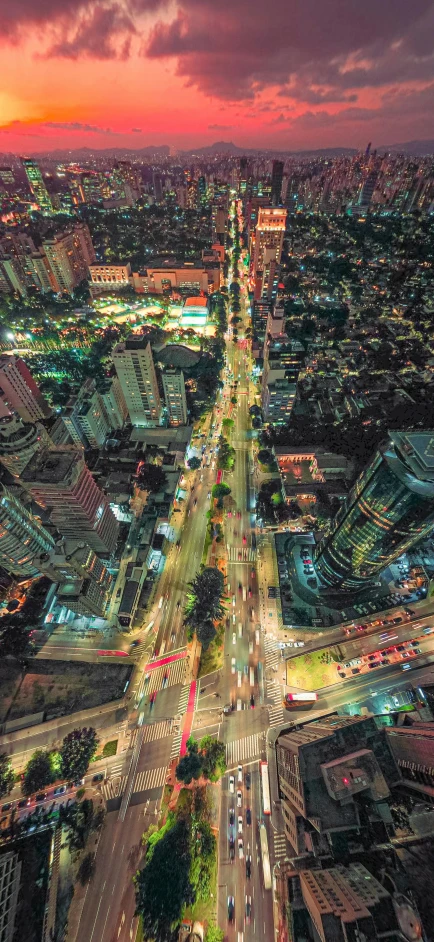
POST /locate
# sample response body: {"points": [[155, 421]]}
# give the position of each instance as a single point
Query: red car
{"points": [[244, 539]]}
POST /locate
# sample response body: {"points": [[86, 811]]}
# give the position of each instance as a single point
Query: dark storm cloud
{"points": [[236, 47]]}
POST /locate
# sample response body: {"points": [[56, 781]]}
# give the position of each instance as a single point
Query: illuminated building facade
{"points": [[37, 185], [174, 394], [20, 392], [267, 251], [135, 370], [59, 479], [389, 509], [22, 538]]}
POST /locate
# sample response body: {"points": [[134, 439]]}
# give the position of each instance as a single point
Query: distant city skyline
{"points": [[272, 76]]}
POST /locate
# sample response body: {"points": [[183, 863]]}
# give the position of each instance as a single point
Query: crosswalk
{"points": [[150, 778], [242, 749], [175, 675], [272, 652], [280, 848], [183, 699], [248, 555], [176, 745], [115, 787], [153, 731], [274, 692], [276, 717]]}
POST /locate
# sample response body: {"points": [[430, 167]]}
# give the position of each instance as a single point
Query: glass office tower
{"points": [[389, 509]]}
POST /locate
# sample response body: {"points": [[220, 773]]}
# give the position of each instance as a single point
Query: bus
{"points": [[300, 701], [265, 787], [265, 855]]}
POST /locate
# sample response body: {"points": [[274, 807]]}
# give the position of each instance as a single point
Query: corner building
{"points": [[389, 509]]}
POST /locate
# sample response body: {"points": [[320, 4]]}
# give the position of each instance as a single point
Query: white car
{"points": [[240, 824], [233, 601], [239, 798], [240, 775], [232, 784], [239, 679], [250, 647], [233, 666], [257, 636], [234, 618], [234, 637], [240, 848]]}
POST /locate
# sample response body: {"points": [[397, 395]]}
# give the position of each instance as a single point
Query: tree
{"points": [[214, 934], [163, 886], [204, 600], [77, 750], [151, 477], [220, 490], [228, 423], [86, 869], [15, 638], [189, 767], [38, 772], [194, 463], [206, 633], [7, 777], [213, 758]]}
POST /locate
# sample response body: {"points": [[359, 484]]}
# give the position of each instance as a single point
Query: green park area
{"points": [[315, 669]]}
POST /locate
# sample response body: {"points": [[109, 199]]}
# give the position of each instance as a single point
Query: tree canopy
{"points": [[151, 477], [163, 886], [77, 750], [205, 759], [39, 772], [7, 777], [194, 463], [204, 604]]}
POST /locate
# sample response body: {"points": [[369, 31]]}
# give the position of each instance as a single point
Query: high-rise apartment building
{"points": [[388, 510], [59, 480], [22, 538], [19, 390], [19, 441], [276, 182], [324, 767], [135, 370], [349, 903], [37, 185], [69, 255], [174, 395], [10, 875], [267, 251], [413, 748], [114, 403], [84, 583]]}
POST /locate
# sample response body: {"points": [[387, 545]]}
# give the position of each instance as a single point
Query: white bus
{"points": [[265, 856], [265, 788]]}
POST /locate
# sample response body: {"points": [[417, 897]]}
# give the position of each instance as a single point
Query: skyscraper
{"points": [[59, 480], [136, 373], [267, 251], [174, 394], [69, 255], [19, 441], [413, 748], [37, 185], [22, 538], [388, 510], [19, 390], [276, 182]]}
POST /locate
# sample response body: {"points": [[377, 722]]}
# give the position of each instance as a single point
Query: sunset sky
{"points": [[283, 74]]}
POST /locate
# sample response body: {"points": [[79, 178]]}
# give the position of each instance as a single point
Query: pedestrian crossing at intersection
{"points": [[248, 555], [272, 652], [183, 699], [242, 749], [114, 788], [176, 745], [276, 717], [175, 675], [150, 778], [157, 730], [280, 849]]}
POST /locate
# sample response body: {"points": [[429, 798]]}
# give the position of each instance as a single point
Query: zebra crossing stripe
{"points": [[157, 730], [242, 749], [176, 745], [279, 845], [114, 788], [150, 778]]}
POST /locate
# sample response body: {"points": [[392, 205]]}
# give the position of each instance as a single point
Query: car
{"points": [[247, 780], [78, 782], [99, 777], [233, 600], [244, 539], [60, 790], [240, 775], [252, 701], [248, 816], [165, 680], [24, 802], [231, 908], [227, 709], [239, 514], [385, 660], [372, 657], [239, 679], [239, 799], [231, 816], [7, 806], [232, 849], [240, 555], [240, 824], [248, 867], [240, 848], [231, 784], [374, 664], [233, 665], [42, 796], [355, 670], [240, 588], [234, 637], [248, 909], [400, 647]]}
